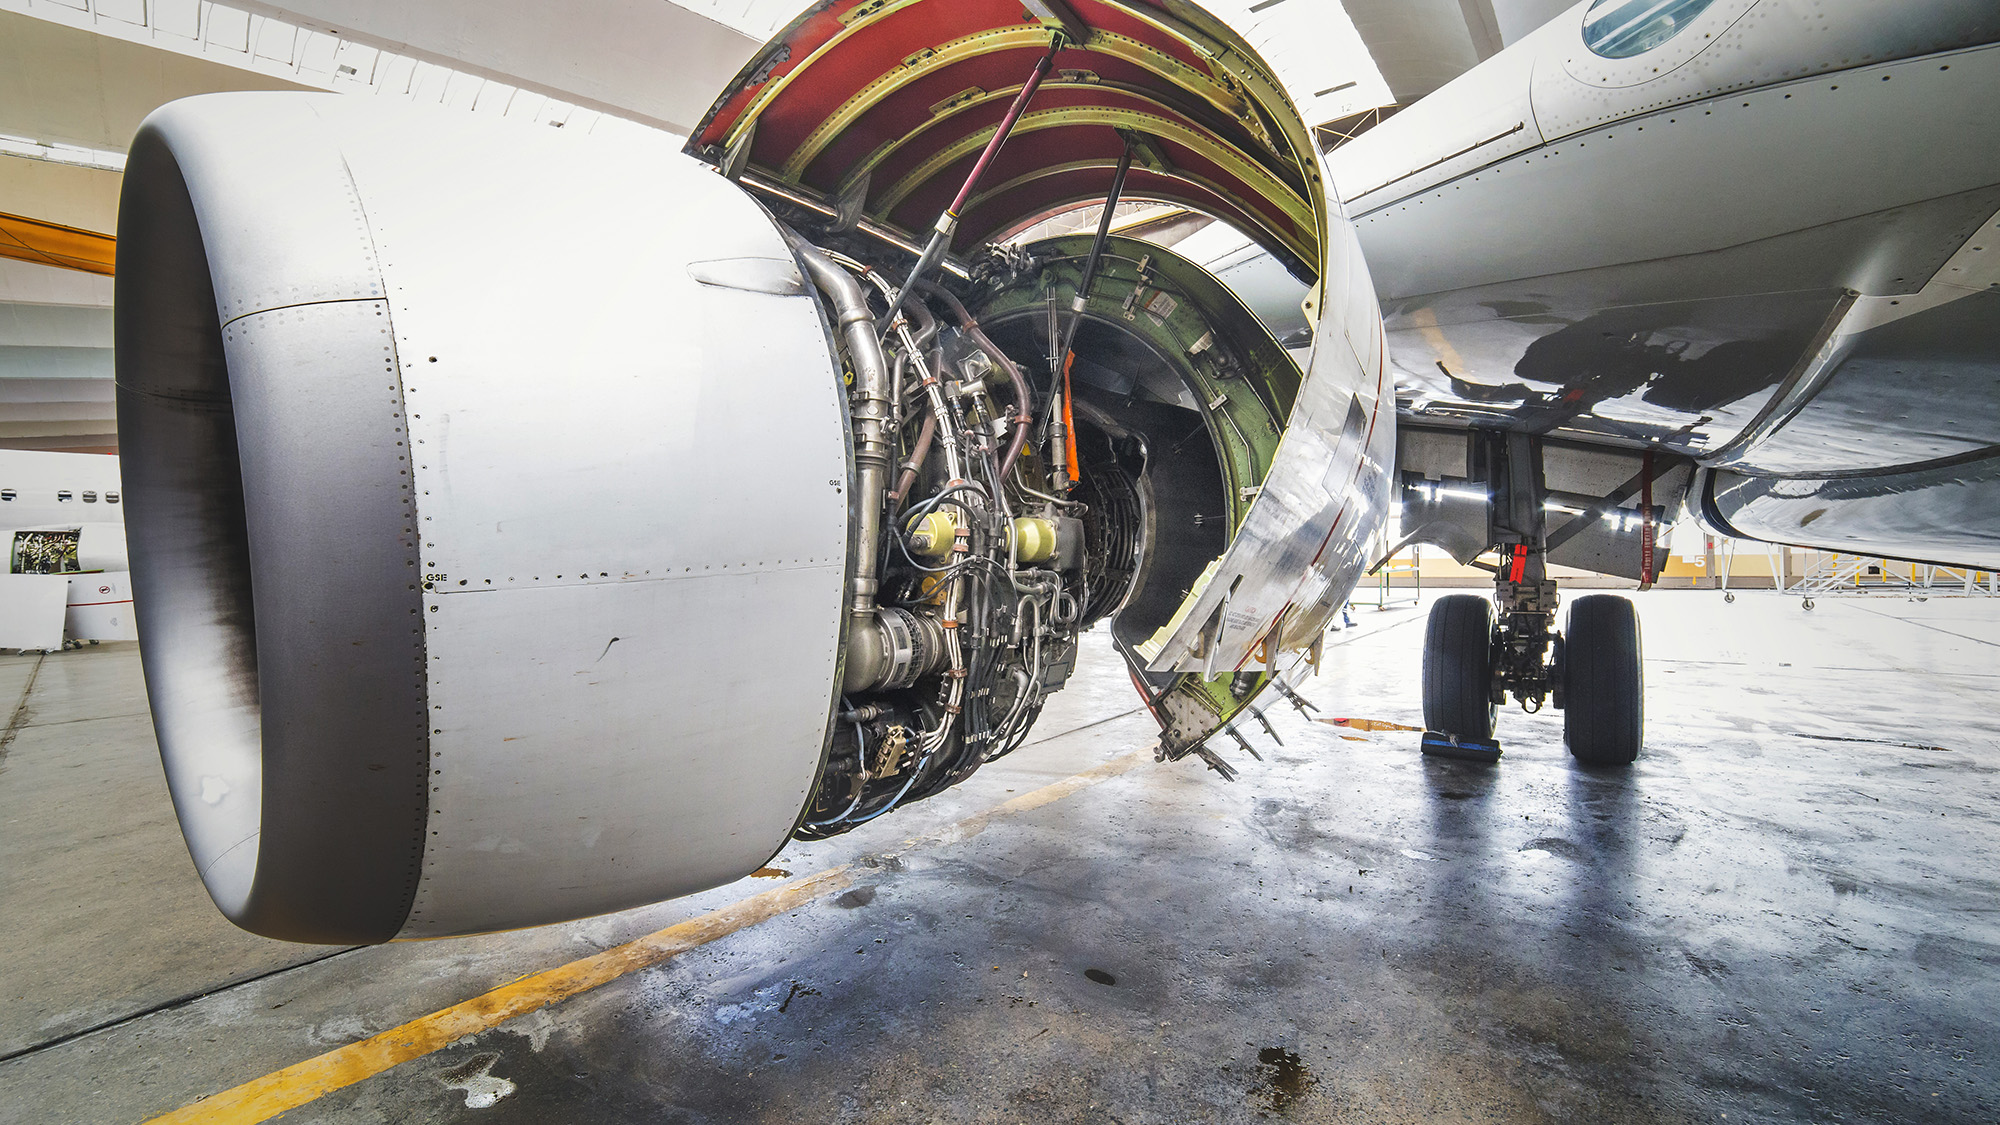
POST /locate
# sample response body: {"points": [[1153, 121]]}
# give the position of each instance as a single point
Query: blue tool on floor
{"points": [[1438, 744]]}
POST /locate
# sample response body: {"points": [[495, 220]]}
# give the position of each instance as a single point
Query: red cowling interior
{"points": [[882, 87]]}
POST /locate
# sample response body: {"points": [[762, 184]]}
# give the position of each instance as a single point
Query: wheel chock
{"points": [[1438, 744]]}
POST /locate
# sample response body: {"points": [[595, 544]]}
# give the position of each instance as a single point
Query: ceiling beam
{"points": [[52, 244], [1482, 27]]}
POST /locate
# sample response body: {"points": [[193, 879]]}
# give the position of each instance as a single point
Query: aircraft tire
{"points": [[1604, 696], [1458, 667]]}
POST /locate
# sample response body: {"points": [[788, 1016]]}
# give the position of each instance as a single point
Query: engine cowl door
{"points": [[1302, 545], [865, 117]]}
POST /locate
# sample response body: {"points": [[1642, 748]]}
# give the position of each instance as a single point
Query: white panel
{"points": [[652, 60], [333, 258], [630, 758], [129, 11], [394, 74], [31, 609], [32, 283], [1315, 51], [605, 447], [100, 608], [36, 477], [96, 392], [461, 89], [276, 40], [1305, 540], [493, 98], [177, 17], [554, 112], [355, 62], [228, 28], [316, 57], [1719, 166], [1459, 128], [526, 105], [101, 546], [427, 83], [647, 387], [54, 326]]}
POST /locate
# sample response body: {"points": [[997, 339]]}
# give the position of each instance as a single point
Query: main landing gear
{"points": [[1474, 658], [1591, 671]]}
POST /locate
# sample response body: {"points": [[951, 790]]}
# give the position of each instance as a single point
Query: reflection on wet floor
{"points": [[1785, 912]]}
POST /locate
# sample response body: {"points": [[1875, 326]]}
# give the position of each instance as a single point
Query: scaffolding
{"points": [[1380, 592], [1833, 574]]}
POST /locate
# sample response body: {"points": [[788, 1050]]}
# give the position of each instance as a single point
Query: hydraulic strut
{"points": [[947, 224], [1065, 442], [1525, 596]]}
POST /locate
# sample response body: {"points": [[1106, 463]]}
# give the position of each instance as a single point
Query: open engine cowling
{"points": [[526, 526], [453, 540]]}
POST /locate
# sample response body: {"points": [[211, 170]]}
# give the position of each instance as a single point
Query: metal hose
{"points": [[872, 454], [917, 454], [973, 332], [871, 412]]}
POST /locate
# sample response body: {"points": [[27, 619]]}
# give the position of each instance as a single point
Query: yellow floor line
{"points": [[264, 1098]]}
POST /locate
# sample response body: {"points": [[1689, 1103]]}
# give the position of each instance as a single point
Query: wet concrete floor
{"points": [[1787, 911]]}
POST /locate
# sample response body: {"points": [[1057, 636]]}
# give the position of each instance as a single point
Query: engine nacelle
{"points": [[470, 469], [527, 526]]}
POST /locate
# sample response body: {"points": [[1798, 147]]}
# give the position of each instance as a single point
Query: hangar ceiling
{"points": [[84, 73], [1423, 44], [74, 87]]}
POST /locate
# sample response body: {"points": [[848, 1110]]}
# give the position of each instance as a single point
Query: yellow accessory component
{"points": [[931, 534], [1034, 539]]}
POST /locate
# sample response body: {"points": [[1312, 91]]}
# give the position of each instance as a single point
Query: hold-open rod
{"points": [[1076, 304], [947, 223], [1060, 374]]}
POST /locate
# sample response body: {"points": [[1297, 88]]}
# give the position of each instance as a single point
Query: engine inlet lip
{"points": [[268, 510]]}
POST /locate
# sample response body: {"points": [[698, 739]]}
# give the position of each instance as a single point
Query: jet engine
{"points": [[489, 504], [526, 526]]}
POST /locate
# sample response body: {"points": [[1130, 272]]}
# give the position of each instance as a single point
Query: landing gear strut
{"points": [[1474, 660]]}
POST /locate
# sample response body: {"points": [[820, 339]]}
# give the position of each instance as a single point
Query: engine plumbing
{"points": [[970, 576]]}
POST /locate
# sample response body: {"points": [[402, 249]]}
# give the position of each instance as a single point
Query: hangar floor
{"points": [[1786, 912]]}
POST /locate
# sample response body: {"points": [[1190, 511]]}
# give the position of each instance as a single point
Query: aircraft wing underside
{"points": [[1733, 247]]}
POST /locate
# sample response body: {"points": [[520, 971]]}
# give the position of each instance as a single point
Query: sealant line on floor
{"points": [[19, 718], [1932, 628], [181, 1001], [264, 1098], [1084, 727]]}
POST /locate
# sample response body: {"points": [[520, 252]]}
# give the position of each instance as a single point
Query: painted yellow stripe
{"points": [[264, 1098], [294, 1086]]}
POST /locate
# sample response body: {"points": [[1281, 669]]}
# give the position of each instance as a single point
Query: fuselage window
{"points": [[90, 497], [1619, 29], [65, 496], [6, 494], [111, 498]]}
